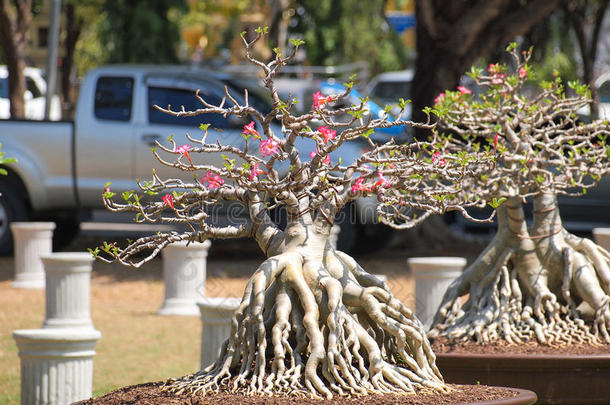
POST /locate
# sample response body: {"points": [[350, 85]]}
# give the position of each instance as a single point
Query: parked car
{"points": [[400, 133], [63, 166], [36, 86], [602, 84], [386, 88]]}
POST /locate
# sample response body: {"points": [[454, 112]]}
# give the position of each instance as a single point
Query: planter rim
{"points": [[438, 259], [191, 245], [34, 226], [533, 357], [59, 257], [523, 397], [227, 303]]}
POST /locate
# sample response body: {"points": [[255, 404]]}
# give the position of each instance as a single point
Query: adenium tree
{"points": [[531, 281], [311, 320]]}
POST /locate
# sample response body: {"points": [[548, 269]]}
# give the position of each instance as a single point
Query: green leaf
{"points": [[204, 127], [297, 42]]}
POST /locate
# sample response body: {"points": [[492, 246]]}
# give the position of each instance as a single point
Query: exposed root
{"points": [[524, 288], [320, 327]]}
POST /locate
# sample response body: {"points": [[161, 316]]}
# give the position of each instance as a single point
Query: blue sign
{"points": [[401, 21]]}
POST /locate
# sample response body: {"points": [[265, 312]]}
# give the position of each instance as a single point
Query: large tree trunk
{"points": [[74, 25], [580, 17], [14, 37], [312, 321], [452, 34]]}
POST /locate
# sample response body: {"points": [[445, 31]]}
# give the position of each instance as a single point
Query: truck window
{"points": [[177, 98], [113, 97]]}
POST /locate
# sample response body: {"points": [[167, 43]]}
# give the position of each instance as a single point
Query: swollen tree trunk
{"points": [[452, 34], [519, 287], [14, 37], [312, 321]]}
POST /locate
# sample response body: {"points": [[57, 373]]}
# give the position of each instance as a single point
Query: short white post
{"points": [[31, 240], [432, 278], [184, 272], [68, 298], [602, 237], [56, 365], [216, 314]]}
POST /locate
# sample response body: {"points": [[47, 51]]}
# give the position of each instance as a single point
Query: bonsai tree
{"points": [[311, 320], [531, 281]]}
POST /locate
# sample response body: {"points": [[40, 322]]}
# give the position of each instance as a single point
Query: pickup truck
{"points": [[63, 166]]}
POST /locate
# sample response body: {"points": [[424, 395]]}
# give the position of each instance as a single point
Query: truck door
{"points": [[103, 150], [159, 126]]}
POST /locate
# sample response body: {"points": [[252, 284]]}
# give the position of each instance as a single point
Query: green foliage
{"points": [[337, 32]]}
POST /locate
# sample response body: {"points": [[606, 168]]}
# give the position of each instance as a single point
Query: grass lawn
{"points": [[137, 345]]}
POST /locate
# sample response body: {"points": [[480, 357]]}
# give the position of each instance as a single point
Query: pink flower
{"points": [[327, 134], [359, 186], [313, 154], [319, 100], [212, 180], [269, 147], [522, 73], [184, 150], [439, 98], [464, 90], [497, 79], [169, 200], [255, 171], [382, 182], [496, 142], [493, 68], [437, 159], [249, 130]]}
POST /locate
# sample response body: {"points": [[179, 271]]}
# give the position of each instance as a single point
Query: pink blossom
{"points": [[382, 182], [269, 147], [522, 73], [436, 158], [493, 68], [313, 154], [359, 186], [496, 142], [249, 130], [212, 180], [255, 171], [319, 100], [327, 134], [464, 90], [497, 79], [184, 150], [439, 98], [169, 200]]}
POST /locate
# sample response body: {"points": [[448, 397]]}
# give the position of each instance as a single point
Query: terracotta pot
{"points": [[556, 379], [524, 397]]}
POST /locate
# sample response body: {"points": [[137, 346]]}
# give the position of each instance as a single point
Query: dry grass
{"points": [[137, 345]]}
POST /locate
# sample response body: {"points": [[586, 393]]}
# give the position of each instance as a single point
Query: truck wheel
{"points": [[12, 209]]}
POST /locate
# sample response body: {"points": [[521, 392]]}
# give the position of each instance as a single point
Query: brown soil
{"points": [[444, 345], [151, 394]]}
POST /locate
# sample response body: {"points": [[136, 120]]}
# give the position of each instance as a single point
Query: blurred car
{"points": [[400, 133], [386, 88], [36, 89]]}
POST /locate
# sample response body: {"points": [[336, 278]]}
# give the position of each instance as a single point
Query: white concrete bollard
{"points": [[432, 278], [184, 272], [216, 314], [68, 298], [56, 365], [602, 237], [32, 240]]}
